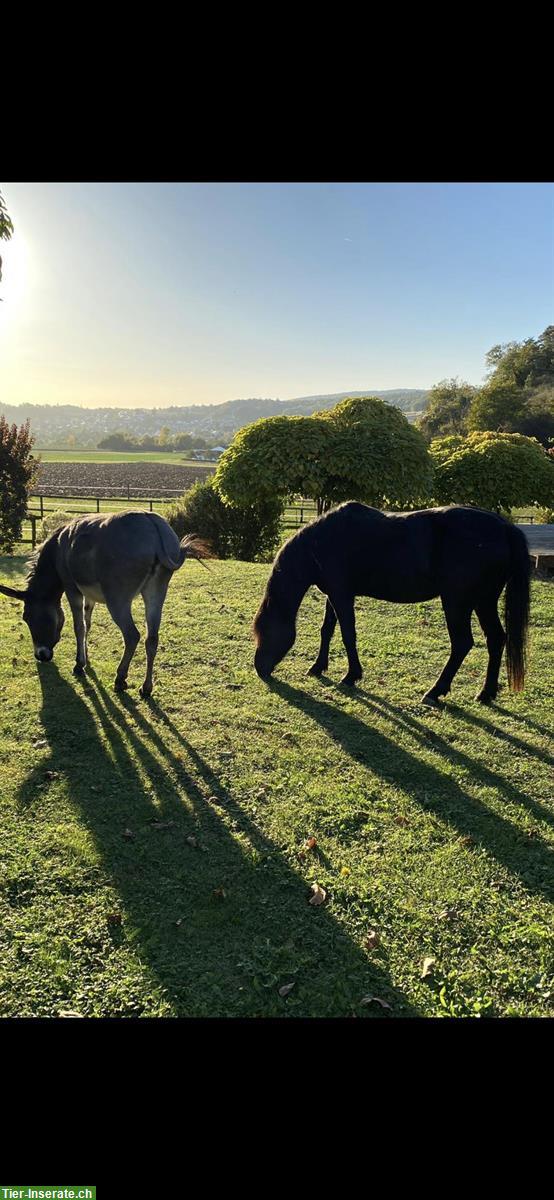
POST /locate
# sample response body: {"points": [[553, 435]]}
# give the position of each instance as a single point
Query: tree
{"points": [[17, 472], [447, 410], [6, 226], [495, 471], [362, 449], [518, 395], [498, 406]]}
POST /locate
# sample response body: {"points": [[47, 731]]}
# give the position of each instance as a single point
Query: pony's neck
{"points": [[290, 579], [43, 580]]}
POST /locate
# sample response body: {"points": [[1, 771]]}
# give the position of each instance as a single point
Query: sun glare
{"points": [[16, 276]]}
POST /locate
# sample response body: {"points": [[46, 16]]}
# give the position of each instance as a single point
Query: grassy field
{"points": [[154, 857], [115, 456]]}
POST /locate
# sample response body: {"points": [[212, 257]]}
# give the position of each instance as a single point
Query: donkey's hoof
{"points": [[430, 700], [78, 669], [120, 685]]}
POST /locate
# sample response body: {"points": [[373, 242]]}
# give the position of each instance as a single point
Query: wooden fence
{"points": [[96, 501]]}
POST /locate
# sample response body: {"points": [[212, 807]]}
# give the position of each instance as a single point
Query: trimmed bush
{"points": [[250, 533]]}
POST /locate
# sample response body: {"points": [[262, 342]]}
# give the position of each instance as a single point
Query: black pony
{"points": [[464, 555]]}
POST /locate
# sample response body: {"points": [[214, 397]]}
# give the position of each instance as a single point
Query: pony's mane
{"points": [[288, 577]]}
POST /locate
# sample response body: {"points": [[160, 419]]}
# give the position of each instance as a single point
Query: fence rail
{"points": [[96, 500]]}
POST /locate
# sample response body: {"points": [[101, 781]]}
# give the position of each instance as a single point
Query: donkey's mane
{"points": [[41, 566]]}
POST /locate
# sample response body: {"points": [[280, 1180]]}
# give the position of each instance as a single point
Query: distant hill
{"points": [[53, 424]]}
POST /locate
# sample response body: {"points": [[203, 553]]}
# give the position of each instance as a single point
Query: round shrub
{"points": [[250, 533]]}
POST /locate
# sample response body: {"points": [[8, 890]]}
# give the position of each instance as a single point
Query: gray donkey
{"points": [[106, 559]]}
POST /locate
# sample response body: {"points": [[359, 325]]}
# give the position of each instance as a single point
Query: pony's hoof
{"points": [[78, 669], [350, 680], [430, 700], [145, 692], [485, 697], [120, 685], [317, 670]]}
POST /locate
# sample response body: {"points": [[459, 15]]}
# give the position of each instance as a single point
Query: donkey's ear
{"points": [[13, 592]]}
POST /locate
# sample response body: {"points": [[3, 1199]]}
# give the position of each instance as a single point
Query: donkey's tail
{"points": [[195, 547], [173, 553], [517, 608]]}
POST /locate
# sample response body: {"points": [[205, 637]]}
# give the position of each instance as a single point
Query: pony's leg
{"points": [[120, 612], [487, 615], [327, 631], [458, 620], [89, 605], [153, 594], [75, 599], [344, 609]]}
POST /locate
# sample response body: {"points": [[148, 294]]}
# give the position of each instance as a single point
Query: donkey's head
{"points": [[45, 619]]}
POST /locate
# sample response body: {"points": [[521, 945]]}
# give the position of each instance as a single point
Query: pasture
{"points": [[118, 456], [158, 858]]}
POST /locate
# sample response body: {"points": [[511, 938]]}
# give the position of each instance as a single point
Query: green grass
{"points": [[434, 828], [115, 456]]}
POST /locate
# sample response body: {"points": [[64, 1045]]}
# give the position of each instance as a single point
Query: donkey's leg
{"points": [[327, 631], [89, 605], [458, 620], [344, 608], [153, 594], [120, 612], [487, 615], [76, 601]]}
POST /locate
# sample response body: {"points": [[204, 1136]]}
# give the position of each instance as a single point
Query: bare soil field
{"points": [[117, 479]]}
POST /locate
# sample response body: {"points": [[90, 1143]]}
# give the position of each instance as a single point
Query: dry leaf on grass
{"points": [[319, 895], [428, 965], [66, 1012], [372, 940], [219, 893], [114, 918], [128, 835], [448, 913], [376, 1000], [287, 987], [192, 841]]}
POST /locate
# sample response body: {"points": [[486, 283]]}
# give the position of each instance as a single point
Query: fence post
{"points": [[33, 530], [41, 507], [98, 504], [150, 503]]}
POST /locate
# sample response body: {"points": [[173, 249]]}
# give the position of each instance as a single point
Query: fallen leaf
{"points": [[68, 1013], [319, 894], [428, 964], [220, 893], [287, 987], [468, 840], [113, 918], [192, 841], [401, 821], [448, 913], [372, 939], [180, 921], [310, 843], [128, 835], [376, 1000], [51, 774]]}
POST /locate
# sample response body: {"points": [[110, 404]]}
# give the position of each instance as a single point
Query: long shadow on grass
{"points": [[430, 740], [221, 922], [531, 861]]}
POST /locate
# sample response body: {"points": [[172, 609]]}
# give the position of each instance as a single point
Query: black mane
{"points": [[42, 574]]}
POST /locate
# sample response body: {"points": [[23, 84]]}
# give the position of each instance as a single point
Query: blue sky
{"points": [[155, 294]]}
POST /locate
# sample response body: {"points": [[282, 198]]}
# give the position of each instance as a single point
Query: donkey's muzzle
{"points": [[43, 654]]}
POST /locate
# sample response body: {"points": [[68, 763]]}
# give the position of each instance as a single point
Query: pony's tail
{"points": [[195, 547], [517, 608]]}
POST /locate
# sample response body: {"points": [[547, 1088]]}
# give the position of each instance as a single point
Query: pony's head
{"points": [[45, 619], [275, 635]]}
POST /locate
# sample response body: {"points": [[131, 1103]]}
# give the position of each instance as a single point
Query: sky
{"points": [[151, 294]]}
